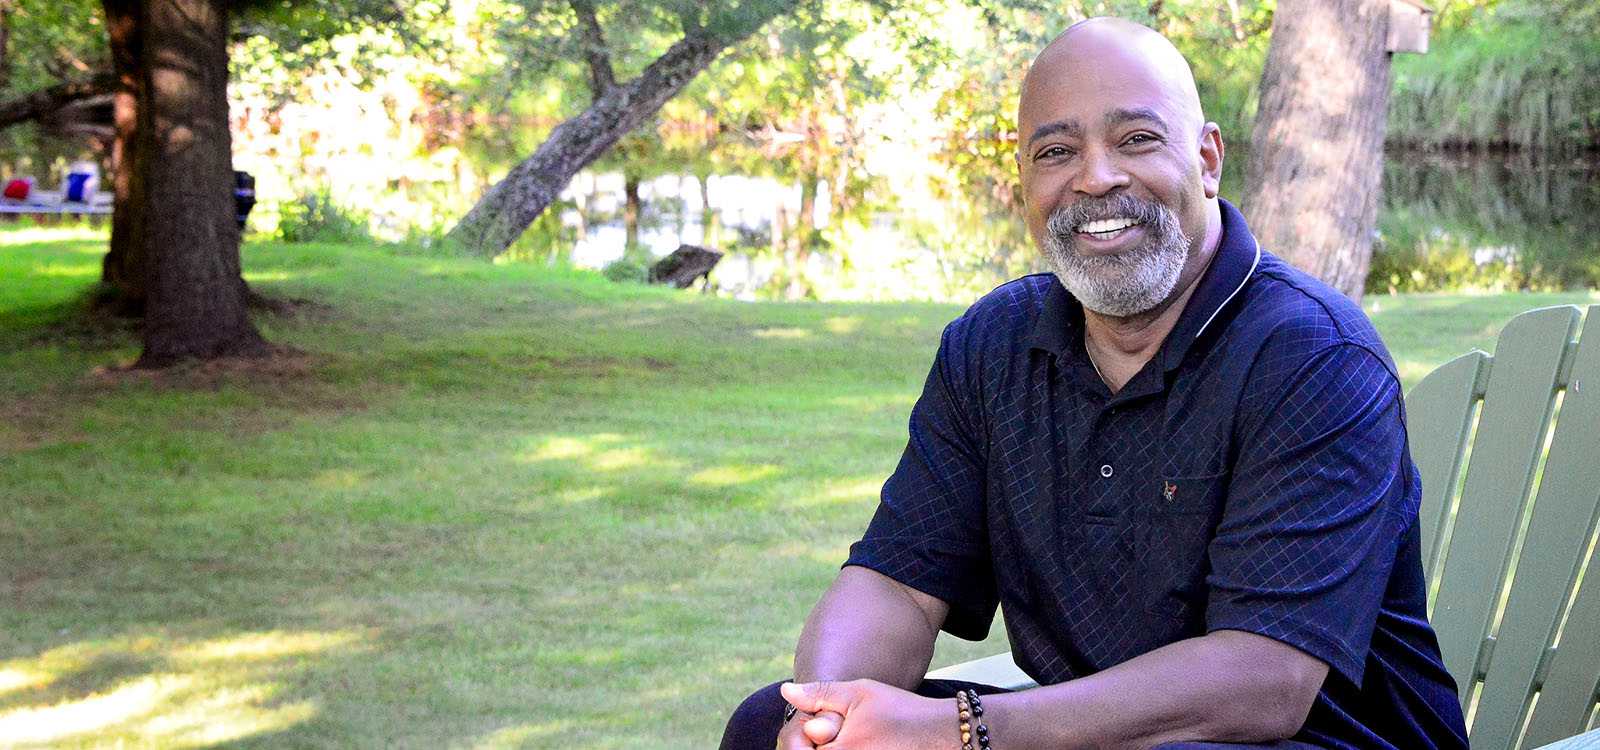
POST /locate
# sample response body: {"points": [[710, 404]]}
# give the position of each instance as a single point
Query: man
{"points": [[1178, 464]]}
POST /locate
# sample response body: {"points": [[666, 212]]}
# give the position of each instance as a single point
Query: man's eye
{"points": [[1139, 139], [1052, 152]]}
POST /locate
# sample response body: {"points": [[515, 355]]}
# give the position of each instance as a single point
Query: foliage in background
{"points": [[1515, 75], [627, 270], [317, 217], [48, 43]]}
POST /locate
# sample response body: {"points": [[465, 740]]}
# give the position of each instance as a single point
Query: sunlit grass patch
{"points": [[28, 233], [64, 269], [781, 333], [723, 476], [161, 691]]}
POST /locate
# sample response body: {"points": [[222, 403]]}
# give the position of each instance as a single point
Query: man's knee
{"points": [[755, 723]]}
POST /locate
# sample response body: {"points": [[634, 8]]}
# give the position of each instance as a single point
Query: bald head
{"points": [[1119, 168], [1112, 51]]}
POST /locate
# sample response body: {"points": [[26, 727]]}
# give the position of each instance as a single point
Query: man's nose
{"points": [[1098, 173]]}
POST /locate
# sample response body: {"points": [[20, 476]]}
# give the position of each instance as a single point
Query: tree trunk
{"points": [[804, 237], [195, 305], [1316, 160], [630, 214], [806, 222], [122, 270], [6, 9], [511, 205]]}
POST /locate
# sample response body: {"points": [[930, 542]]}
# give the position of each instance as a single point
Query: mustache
{"points": [[1064, 221]]}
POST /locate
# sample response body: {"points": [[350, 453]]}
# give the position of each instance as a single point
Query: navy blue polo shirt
{"points": [[1253, 476]]}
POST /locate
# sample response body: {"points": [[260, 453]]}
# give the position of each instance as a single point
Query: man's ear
{"points": [[1211, 159]]}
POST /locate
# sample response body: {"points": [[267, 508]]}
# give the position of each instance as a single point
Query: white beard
{"points": [[1122, 285]]}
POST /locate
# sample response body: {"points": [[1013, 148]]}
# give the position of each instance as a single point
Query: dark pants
{"points": [[755, 723]]}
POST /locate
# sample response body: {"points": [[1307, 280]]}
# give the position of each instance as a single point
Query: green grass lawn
{"points": [[488, 506]]}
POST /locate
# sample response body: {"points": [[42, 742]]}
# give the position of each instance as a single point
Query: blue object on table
{"points": [[77, 184]]}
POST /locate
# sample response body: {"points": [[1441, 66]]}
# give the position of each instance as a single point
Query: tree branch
{"points": [[38, 105], [6, 10], [595, 52]]}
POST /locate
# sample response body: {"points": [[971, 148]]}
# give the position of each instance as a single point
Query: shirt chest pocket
{"points": [[1179, 520]]}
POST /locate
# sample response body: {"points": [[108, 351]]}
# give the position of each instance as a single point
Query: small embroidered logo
{"points": [[1169, 490]]}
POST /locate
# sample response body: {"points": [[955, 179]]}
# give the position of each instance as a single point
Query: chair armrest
{"points": [[998, 670]]}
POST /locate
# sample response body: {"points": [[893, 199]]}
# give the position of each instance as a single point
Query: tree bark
{"points": [[1316, 161], [122, 270], [595, 51], [511, 205], [195, 305], [630, 214], [804, 237], [6, 10]]}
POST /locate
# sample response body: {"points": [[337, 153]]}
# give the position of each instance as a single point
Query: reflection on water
{"points": [[720, 211], [1488, 222], [1485, 222]]}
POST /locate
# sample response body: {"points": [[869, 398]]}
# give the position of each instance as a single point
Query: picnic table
{"points": [[51, 203]]}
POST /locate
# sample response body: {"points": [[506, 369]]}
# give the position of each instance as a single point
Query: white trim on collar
{"points": [[1234, 293]]}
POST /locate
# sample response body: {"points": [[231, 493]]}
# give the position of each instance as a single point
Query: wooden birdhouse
{"points": [[1409, 22]]}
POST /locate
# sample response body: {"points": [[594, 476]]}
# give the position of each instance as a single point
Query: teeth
{"points": [[1106, 225]]}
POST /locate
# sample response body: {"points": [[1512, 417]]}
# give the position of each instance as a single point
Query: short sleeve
{"points": [[929, 531], [1317, 508]]}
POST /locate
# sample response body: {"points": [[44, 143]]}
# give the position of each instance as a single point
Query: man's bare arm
{"points": [[869, 626], [866, 626], [1228, 686]]}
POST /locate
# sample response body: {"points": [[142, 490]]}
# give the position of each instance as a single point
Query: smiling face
{"points": [[1119, 169]]}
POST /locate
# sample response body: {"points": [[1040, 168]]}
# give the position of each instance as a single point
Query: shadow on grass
{"points": [[79, 322]]}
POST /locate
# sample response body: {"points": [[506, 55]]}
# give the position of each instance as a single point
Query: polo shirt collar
{"points": [[1059, 327]]}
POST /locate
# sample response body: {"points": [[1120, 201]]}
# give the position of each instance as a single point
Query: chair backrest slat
{"points": [[1555, 542], [1505, 450], [1442, 404], [1572, 685]]}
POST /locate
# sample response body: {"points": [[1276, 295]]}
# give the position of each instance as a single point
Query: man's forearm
{"points": [[868, 626], [1228, 686]]}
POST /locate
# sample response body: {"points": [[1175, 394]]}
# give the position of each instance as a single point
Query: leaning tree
{"points": [[703, 31]]}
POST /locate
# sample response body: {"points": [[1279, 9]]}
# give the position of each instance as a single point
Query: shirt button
{"points": [[1105, 471]]}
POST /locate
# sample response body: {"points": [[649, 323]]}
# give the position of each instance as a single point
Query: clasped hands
{"points": [[866, 714]]}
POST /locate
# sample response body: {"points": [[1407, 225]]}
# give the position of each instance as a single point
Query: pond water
{"points": [[1490, 222]]}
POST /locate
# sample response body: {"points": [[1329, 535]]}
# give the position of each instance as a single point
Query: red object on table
{"points": [[17, 189]]}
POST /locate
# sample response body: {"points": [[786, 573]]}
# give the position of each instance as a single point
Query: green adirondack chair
{"points": [[1509, 450]]}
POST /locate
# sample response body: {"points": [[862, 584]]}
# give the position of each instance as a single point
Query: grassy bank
{"points": [[488, 506]]}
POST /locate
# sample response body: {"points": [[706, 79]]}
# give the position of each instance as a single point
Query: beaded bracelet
{"points": [[969, 710]]}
